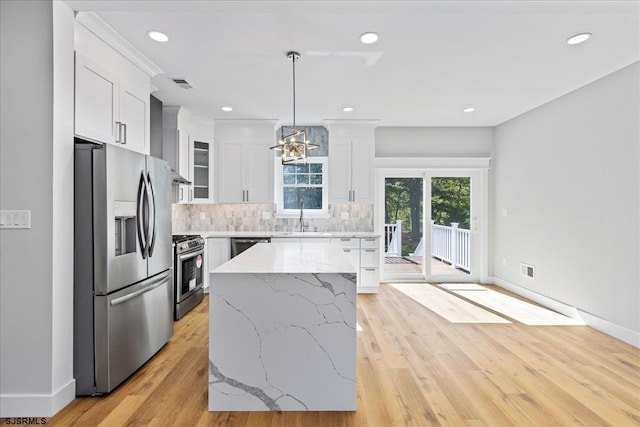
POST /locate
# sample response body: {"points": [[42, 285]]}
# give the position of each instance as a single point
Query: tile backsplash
{"points": [[249, 217]]}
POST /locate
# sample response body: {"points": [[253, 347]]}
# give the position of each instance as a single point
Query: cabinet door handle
{"points": [[118, 132], [124, 127], [247, 195], [369, 250], [190, 194], [369, 269], [181, 194]]}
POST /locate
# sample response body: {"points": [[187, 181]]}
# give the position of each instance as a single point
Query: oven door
{"points": [[189, 273]]}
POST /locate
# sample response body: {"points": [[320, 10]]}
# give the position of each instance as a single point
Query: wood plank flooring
{"points": [[414, 369]]}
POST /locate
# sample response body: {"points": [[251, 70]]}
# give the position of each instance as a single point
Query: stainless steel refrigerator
{"points": [[123, 282]]}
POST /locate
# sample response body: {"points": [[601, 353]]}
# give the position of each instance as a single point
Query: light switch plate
{"points": [[202, 215], [345, 216], [505, 212], [15, 219]]}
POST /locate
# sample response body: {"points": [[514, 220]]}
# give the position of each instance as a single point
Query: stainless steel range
{"points": [[188, 273]]}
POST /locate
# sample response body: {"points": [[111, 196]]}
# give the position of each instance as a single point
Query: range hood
{"points": [[178, 179]]}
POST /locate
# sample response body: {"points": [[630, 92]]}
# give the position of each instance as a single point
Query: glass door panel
{"points": [[403, 227], [450, 225]]}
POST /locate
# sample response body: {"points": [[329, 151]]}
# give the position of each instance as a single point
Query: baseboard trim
{"points": [[602, 325], [37, 405]]}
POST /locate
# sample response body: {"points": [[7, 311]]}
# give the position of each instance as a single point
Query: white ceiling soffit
{"points": [[433, 58]]}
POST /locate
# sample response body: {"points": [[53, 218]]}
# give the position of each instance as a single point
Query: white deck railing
{"points": [[448, 243], [393, 239], [451, 244]]}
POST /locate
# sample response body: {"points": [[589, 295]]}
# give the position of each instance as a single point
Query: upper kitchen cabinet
{"points": [[175, 147], [112, 87], [187, 144], [201, 159], [351, 156], [245, 162]]}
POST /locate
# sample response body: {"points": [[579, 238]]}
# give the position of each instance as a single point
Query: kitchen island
{"points": [[282, 330]]}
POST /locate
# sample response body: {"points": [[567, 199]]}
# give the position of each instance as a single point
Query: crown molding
{"points": [[110, 36]]}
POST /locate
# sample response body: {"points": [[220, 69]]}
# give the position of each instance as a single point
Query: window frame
{"points": [[279, 186]]}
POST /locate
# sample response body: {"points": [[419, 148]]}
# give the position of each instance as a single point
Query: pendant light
{"points": [[293, 144]]}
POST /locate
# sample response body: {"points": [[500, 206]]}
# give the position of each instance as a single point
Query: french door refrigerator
{"points": [[123, 278]]}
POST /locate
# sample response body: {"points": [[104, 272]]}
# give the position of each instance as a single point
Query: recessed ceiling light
{"points": [[579, 38], [158, 36], [225, 108], [347, 109], [469, 110], [369, 38]]}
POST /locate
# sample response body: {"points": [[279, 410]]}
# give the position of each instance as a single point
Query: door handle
{"points": [[118, 132], [124, 126], [152, 208], [140, 215]]}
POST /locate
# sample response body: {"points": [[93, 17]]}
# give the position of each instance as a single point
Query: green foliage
{"points": [[450, 202]]}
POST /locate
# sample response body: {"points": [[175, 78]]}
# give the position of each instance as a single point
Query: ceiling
{"points": [[433, 58]]}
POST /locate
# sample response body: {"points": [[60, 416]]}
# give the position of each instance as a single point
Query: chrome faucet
{"points": [[301, 216]]}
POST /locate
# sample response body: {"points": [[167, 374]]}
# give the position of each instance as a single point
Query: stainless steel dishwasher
{"points": [[241, 244]]}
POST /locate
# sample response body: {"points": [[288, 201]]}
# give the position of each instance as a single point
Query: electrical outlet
{"points": [[266, 215], [345, 216], [202, 215], [505, 212]]}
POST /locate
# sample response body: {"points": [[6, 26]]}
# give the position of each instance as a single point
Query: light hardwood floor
{"points": [[414, 369]]}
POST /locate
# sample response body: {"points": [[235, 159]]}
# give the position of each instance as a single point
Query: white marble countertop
{"points": [[289, 257], [276, 234]]}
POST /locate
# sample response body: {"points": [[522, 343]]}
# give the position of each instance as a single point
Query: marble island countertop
{"points": [[276, 234], [302, 257]]}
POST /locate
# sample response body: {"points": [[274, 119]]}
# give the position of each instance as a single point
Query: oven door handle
{"points": [[190, 254]]}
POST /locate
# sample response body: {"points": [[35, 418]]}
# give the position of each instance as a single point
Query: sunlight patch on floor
{"points": [[514, 308], [452, 308]]}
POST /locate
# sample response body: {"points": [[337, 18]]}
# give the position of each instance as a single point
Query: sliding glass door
{"points": [[436, 241]]}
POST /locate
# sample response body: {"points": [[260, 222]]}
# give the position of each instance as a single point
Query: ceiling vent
{"points": [[182, 83]]}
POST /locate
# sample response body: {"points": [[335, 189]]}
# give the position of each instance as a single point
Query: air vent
{"points": [[182, 83], [527, 270]]}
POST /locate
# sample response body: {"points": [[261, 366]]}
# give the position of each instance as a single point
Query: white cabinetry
{"points": [[245, 162], [364, 254], [218, 251], [351, 156], [175, 147], [187, 146], [111, 95]]}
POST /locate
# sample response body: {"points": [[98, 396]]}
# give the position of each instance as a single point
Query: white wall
{"points": [[36, 304], [434, 142], [568, 174]]}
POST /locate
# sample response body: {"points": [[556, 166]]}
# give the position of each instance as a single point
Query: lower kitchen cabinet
{"points": [[365, 256], [218, 251]]}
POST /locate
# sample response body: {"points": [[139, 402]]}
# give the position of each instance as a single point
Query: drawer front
{"points": [[347, 242], [285, 240], [369, 242], [369, 277], [354, 257], [369, 258]]}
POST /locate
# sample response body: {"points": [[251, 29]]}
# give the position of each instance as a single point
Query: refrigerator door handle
{"points": [[151, 286], [140, 217], [152, 209]]}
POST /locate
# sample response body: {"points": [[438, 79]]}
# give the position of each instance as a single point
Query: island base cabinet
{"points": [[282, 342]]}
